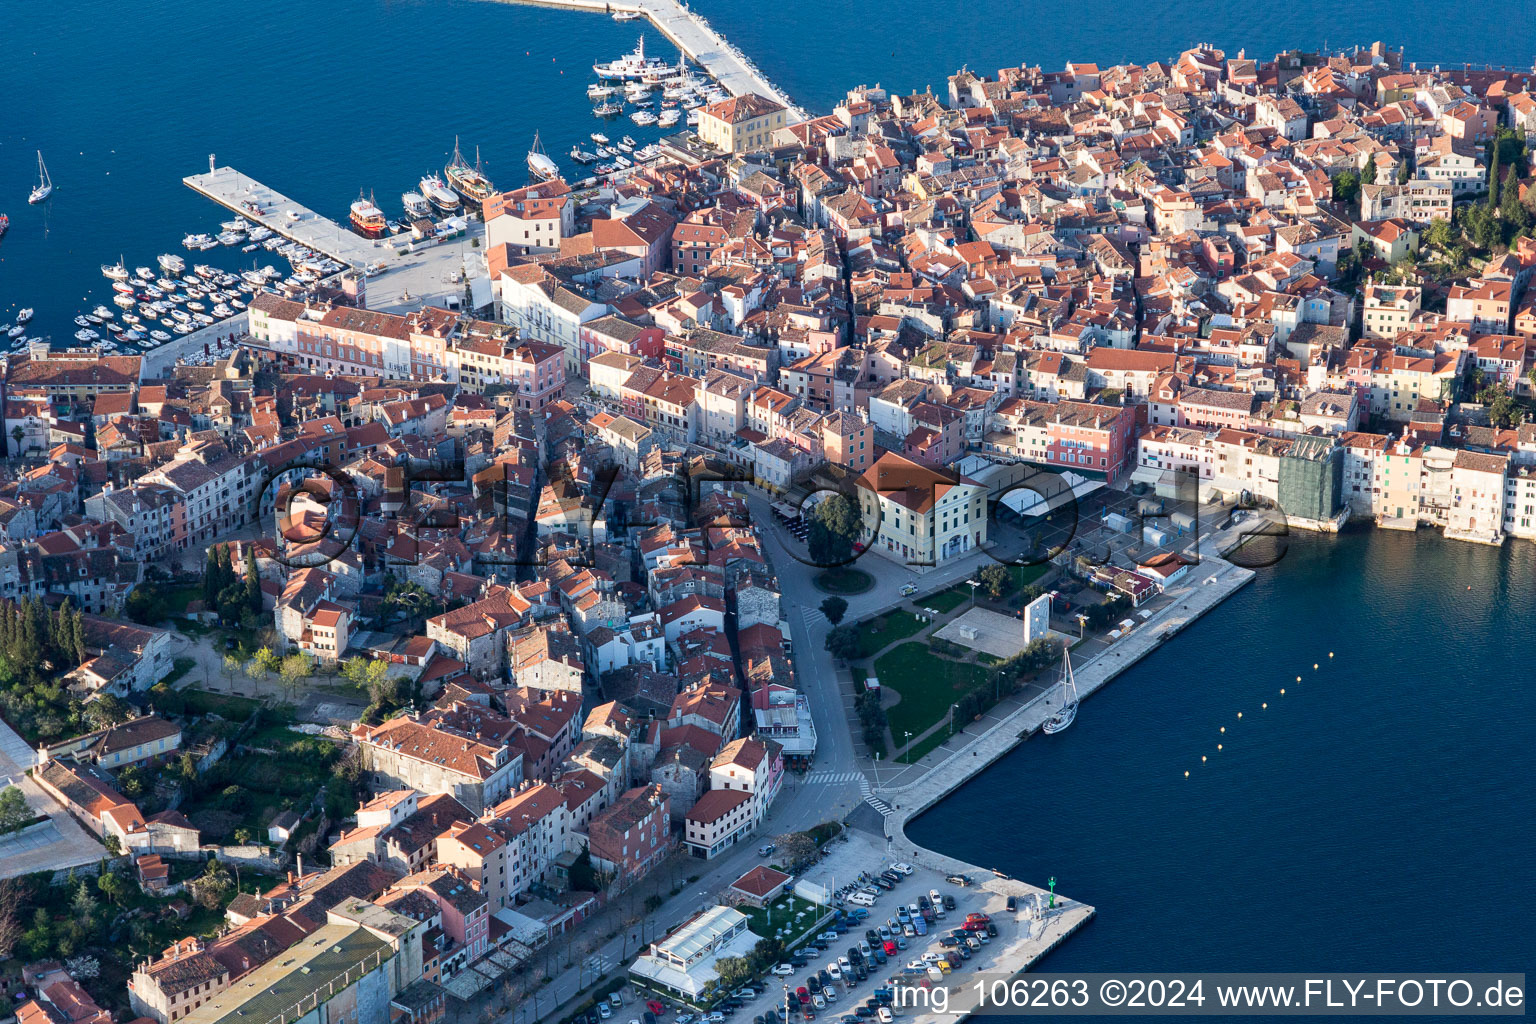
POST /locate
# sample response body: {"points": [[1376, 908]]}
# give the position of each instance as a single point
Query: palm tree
{"points": [[17, 433]]}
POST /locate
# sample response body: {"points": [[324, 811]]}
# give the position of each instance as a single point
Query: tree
{"points": [[14, 812], [232, 667], [293, 670], [106, 710], [1511, 210], [835, 527], [112, 886], [17, 433], [997, 579], [733, 972], [1404, 173], [84, 904], [1368, 175], [796, 849], [1346, 186], [834, 608], [252, 580], [1439, 234], [844, 644]]}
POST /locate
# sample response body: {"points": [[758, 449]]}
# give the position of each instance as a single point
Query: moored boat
{"points": [[539, 163], [367, 219], [469, 182], [440, 195]]}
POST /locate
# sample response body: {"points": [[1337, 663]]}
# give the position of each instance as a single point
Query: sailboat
{"points": [[44, 183], [1063, 718], [539, 164]]}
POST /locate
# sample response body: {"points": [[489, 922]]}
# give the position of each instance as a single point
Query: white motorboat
{"points": [[1064, 715], [83, 321], [160, 336], [102, 313], [259, 233], [643, 118], [126, 301], [122, 287], [582, 156], [86, 334], [231, 237], [608, 110], [144, 273], [172, 264], [23, 315], [627, 15], [195, 241], [115, 271], [599, 138], [44, 187], [416, 205], [439, 194], [600, 92], [669, 118], [16, 332]]}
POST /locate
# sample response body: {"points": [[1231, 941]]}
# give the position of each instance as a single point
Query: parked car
{"points": [[949, 902], [604, 1010], [766, 849], [903, 869], [908, 589], [1012, 904], [819, 1001], [961, 880], [803, 994], [885, 1015], [991, 930], [783, 970]]}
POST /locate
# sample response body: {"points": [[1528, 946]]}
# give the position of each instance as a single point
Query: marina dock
{"points": [[698, 41], [287, 217], [403, 274]]}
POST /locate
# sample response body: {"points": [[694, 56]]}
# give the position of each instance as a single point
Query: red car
{"points": [[890, 948], [983, 918], [803, 994], [655, 1007]]}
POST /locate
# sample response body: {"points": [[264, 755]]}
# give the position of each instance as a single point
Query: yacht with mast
{"points": [[367, 219], [539, 163], [469, 182], [44, 187], [1068, 710], [631, 65]]}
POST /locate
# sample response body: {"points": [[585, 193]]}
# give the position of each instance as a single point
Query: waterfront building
{"points": [[918, 514], [740, 124]]}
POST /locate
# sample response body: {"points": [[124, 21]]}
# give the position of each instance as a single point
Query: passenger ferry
{"points": [[440, 195], [631, 65]]}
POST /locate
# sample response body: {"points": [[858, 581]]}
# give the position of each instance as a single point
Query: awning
{"points": [[1150, 475]]}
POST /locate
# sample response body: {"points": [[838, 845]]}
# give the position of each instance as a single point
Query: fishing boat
{"points": [[1068, 710], [469, 182], [115, 271], [367, 219], [439, 195], [581, 156], [539, 163], [44, 187], [23, 316], [416, 205], [608, 109]]}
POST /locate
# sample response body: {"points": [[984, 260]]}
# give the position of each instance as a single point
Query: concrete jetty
{"points": [[287, 217], [698, 41], [403, 274]]}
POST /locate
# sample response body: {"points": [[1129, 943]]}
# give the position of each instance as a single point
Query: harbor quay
{"points": [[404, 274], [697, 40]]}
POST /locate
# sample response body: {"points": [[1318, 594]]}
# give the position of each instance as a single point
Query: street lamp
{"points": [[906, 747], [952, 709], [973, 584]]}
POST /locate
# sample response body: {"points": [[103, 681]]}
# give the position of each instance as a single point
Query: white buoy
{"points": [[1186, 775], [1218, 746], [1223, 728], [1263, 705], [1282, 691], [1202, 758], [1239, 714]]}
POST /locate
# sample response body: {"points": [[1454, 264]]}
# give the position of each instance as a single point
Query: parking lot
{"points": [[852, 976]]}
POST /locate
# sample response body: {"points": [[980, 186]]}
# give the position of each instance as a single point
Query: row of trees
{"points": [[225, 592], [34, 639]]}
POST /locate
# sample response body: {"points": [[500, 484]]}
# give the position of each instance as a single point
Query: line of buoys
{"points": [[1264, 705]]}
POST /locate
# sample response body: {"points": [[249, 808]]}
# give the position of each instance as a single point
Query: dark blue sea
{"points": [[1376, 817], [323, 100]]}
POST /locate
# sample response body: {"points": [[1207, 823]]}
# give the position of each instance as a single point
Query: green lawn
{"points": [[783, 912], [896, 626], [225, 705], [946, 601], [928, 685]]}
